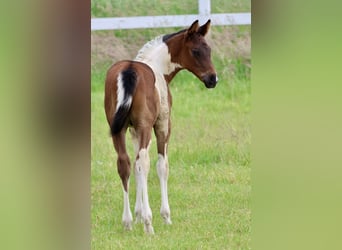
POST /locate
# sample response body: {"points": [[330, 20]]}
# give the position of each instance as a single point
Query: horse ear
{"points": [[193, 28], [203, 30]]}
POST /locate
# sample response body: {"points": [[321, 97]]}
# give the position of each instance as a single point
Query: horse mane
{"points": [[169, 36], [148, 47]]}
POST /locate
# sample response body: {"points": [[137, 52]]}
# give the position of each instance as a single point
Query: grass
{"points": [[209, 184], [209, 155], [119, 8]]}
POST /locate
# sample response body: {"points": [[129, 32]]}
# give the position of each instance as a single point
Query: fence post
{"points": [[204, 13], [203, 10], [204, 7]]}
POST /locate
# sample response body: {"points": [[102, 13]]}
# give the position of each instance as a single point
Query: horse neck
{"points": [[156, 54], [170, 76], [174, 45]]}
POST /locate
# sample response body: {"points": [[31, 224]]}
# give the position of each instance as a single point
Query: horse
{"points": [[137, 96]]}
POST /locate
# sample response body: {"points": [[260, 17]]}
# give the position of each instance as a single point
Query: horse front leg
{"points": [[162, 132], [163, 173]]}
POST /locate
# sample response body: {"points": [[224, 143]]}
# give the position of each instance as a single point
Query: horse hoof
{"points": [[165, 214], [167, 221], [148, 229], [127, 225]]}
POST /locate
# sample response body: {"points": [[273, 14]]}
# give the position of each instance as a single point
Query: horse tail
{"points": [[126, 85]]}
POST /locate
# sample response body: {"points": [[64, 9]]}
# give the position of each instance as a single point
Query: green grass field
{"points": [[209, 150]]}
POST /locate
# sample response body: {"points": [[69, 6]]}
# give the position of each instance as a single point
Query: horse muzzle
{"points": [[210, 80]]}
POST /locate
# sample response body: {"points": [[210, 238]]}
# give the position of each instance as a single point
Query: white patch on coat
{"points": [[155, 53], [164, 113], [121, 101]]}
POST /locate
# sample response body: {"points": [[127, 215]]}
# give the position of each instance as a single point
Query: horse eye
{"points": [[196, 52]]}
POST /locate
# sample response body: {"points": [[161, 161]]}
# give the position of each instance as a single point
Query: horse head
{"points": [[196, 54]]}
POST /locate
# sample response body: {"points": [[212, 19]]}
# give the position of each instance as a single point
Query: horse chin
{"points": [[210, 85]]}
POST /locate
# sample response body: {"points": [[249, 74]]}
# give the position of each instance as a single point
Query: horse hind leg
{"points": [[142, 167], [123, 164], [138, 182]]}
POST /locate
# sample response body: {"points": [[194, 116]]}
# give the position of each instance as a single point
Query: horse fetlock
{"points": [[165, 214], [147, 217], [138, 216], [127, 224]]}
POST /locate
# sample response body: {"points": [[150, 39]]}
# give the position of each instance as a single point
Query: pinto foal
{"points": [[137, 96]]}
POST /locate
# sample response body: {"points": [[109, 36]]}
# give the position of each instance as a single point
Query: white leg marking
{"points": [[163, 173], [127, 215], [138, 201], [142, 167]]}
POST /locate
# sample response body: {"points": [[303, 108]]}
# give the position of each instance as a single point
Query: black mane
{"points": [[168, 36]]}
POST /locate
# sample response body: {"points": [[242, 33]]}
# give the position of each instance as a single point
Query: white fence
{"points": [[204, 13]]}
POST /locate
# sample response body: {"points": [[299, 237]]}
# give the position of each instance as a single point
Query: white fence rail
{"points": [[137, 22]]}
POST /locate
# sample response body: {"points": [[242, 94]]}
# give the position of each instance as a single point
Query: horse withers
{"points": [[137, 96]]}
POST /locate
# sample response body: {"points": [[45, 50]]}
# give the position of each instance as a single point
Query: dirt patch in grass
{"points": [[229, 44], [106, 48]]}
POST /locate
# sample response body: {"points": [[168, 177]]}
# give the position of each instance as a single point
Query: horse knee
{"points": [[124, 169]]}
